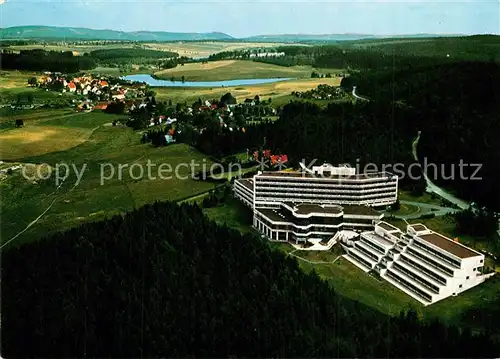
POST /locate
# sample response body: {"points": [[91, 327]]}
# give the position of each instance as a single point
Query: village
{"points": [[91, 93]]}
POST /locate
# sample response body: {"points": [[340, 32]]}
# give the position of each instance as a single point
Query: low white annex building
{"points": [[424, 264]]}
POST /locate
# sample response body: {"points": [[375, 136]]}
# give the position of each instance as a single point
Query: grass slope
{"points": [[275, 91], [233, 69], [23, 200]]}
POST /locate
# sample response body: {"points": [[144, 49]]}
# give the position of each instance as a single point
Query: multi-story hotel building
{"points": [[317, 203], [424, 264], [323, 184]]}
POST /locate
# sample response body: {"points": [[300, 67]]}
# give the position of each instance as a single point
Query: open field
{"points": [[234, 69], [77, 49], [47, 131], [204, 49], [273, 90], [76, 202], [189, 48]]}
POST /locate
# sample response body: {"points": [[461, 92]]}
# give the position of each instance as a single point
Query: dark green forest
{"points": [[59, 61], [164, 280], [133, 55], [41, 60], [456, 107]]}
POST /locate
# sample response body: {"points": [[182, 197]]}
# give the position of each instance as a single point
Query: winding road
{"points": [[425, 208], [431, 187], [356, 96]]}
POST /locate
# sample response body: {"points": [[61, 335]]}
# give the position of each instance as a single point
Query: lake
{"points": [[148, 79]]}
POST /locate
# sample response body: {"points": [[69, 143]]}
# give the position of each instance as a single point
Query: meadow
{"points": [[276, 91], [54, 140], [233, 69]]}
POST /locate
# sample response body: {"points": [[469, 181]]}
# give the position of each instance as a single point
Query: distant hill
{"points": [[78, 33]]}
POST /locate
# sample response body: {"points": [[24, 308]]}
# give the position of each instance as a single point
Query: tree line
{"points": [[455, 106], [163, 280], [41, 60]]}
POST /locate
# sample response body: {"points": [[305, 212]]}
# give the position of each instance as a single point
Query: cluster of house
{"points": [[95, 88], [266, 156], [266, 54], [322, 92]]}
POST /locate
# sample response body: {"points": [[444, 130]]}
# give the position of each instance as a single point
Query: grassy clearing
{"points": [[406, 209], [424, 198], [23, 200], [234, 69], [14, 79], [273, 90], [232, 214], [47, 131], [78, 49]]}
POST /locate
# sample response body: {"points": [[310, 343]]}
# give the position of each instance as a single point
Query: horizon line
{"points": [[257, 35]]}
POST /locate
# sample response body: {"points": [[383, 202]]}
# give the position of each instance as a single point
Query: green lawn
{"points": [[237, 69], [232, 214], [424, 198]]}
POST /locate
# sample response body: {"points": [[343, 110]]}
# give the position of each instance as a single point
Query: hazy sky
{"points": [[245, 18]]}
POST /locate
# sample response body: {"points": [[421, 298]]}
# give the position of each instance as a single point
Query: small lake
{"points": [[148, 79]]}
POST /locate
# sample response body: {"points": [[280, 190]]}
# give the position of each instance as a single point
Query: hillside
{"points": [[472, 48], [75, 33], [455, 105], [164, 281]]}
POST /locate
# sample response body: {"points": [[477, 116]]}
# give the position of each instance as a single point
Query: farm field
{"points": [[272, 90], [204, 49], [23, 200], [234, 69], [77, 49], [189, 48]]}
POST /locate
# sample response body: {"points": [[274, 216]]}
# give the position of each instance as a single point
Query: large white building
{"points": [[315, 204], [424, 264], [302, 222], [324, 184]]}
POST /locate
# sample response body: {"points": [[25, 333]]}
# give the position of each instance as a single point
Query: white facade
{"points": [[325, 185], [424, 264]]}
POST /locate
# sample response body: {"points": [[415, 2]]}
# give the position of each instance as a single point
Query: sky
{"points": [[257, 17]]}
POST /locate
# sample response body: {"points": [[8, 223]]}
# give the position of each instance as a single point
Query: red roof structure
{"points": [[275, 159], [101, 106]]}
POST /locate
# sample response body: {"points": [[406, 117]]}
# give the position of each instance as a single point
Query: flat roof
{"points": [[361, 210], [275, 214], [376, 238], [248, 183], [418, 227], [387, 226], [306, 208], [449, 245], [298, 174]]}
